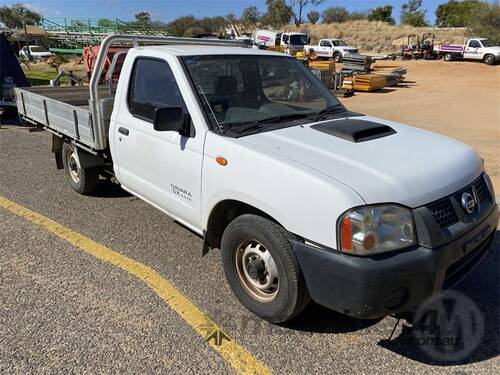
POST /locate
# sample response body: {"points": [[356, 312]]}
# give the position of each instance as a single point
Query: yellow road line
{"points": [[239, 358]]}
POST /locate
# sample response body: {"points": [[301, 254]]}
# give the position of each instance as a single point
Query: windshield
{"points": [[339, 43], [242, 90], [298, 39], [487, 43], [38, 49]]}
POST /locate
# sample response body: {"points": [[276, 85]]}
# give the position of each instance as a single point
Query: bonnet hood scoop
{"points": [[355, 130]]}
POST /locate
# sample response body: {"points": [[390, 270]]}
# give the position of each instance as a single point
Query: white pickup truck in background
{"points": [[332, 49], [305, 199], [34, 53], [472, 49]]}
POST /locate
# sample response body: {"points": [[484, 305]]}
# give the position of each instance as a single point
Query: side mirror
{"points": [[309, 40], [172, 119]]}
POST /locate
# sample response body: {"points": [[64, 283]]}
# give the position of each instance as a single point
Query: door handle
{"points": [[123, 131]]}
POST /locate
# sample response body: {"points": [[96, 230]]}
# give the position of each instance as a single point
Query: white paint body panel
{"points": [[302, 177], [412, 167]]}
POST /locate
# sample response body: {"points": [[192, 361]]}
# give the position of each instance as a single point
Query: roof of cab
{"points": [[197, 50]]}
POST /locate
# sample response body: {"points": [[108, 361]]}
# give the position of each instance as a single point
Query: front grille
{"points": [[481, 190], [444, 213]]}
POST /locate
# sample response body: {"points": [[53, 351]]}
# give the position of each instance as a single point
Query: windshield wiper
{"points": [[328, 110], [276, 119]]}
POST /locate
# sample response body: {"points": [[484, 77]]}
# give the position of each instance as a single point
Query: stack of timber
{"points": [[364, 82], [322, 65], [393, 74]]}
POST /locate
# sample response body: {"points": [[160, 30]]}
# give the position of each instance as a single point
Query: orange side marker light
{"points": [[221, 161]]}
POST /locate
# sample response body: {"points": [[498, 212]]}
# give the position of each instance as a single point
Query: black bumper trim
{"points": [[373, 287]]}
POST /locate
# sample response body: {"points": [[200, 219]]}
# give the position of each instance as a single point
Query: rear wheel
{"points": [[448, 57], [262, 270], [489, 59], [82, 180]]}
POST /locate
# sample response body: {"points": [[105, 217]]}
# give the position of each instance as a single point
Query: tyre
{"points": [[337, 57], [262, 270], [82, 180], [489, 59], [448, 57]]}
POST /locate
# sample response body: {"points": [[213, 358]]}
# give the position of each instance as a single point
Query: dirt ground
{"points": [[457, 99]]}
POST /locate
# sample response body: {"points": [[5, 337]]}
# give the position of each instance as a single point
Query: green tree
{"points": [[413, 14], [16, 15], [313, 17], [383, 13], [143, 17], [250, 16], [456, 13], [335, 14], [179, 26], [105, 23], [356, 15], [485, 22], [212, 24], [277, 14]]}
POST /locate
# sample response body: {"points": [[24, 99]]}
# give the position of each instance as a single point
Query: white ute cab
{"points": [[305, 199], [335, 49]]}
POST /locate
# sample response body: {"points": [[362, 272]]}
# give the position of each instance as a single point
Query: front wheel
{"points": [[489, 59], [337, 57], [262, 270], [82, 180]]}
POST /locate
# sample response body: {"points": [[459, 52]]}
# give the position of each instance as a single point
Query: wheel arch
{"points": [[222, 214]]}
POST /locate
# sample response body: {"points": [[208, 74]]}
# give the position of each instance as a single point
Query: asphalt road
{"points": [[62, 309]]}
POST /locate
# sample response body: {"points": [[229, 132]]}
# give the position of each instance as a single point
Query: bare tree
{"points": [[296, 8]]}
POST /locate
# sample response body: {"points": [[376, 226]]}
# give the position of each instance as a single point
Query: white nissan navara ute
{"points": [[305, 199]]}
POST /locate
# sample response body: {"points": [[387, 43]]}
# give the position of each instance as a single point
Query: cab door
{"points": [[325, 48], [162, 167], [473, 50]]}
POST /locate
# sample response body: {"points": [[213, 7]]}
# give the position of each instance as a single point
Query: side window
{"points": [[152, 85], [474, 44]]}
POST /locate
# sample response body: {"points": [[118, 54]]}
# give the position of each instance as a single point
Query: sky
{"points": [[168, 10]]}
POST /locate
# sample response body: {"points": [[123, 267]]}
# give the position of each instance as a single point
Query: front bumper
{"points": [[373, 287]]}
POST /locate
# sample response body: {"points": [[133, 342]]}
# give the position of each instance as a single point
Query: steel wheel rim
{"points": [[73, 167], [257, 271]]}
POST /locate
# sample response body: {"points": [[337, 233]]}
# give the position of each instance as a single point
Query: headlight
{"points": [[370, 230]]}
